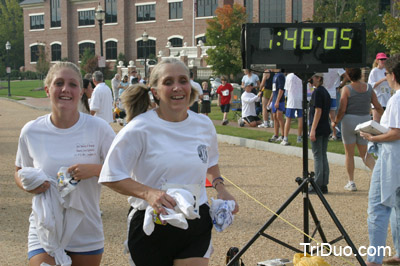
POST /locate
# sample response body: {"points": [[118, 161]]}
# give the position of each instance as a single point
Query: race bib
{"points": [[206, 97], [225, 93], [273, 86]]}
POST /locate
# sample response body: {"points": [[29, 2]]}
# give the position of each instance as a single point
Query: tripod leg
{"points": [[268, 223], [337, 222]]}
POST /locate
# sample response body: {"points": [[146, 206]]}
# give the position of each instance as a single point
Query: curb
{"points": [[333, 158], [28, 104]]}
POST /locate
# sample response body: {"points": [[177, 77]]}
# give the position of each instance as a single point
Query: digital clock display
{"points": [[303, 45]]}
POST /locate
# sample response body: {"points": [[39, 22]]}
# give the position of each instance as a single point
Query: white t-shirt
{"points": [[44, 146], [391, 116], [197, 87], [332, 80], [246, 80], [155, 152], [382, 90], [248, 104], [115, 84], [294, 90], [102, 102]]}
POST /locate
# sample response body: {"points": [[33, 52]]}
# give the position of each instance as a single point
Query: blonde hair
{"points": [[135, 100], [375, 63], [57, 67]]}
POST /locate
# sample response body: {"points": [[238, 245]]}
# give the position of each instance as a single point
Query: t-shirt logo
{"points": [[202, 151], [225, 93]]}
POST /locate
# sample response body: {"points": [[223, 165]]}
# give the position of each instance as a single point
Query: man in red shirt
{"points": [[225, 96]]}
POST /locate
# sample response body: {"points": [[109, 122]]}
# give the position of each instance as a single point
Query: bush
{"points": [[29, 75]]}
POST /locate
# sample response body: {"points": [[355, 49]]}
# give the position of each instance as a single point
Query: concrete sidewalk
{"points": [[339, 159]]}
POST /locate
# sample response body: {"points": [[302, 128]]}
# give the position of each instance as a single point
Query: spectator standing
{"points": [[294, 89], [101, 103], [378, 81], [278, 105], [266, 87], [166, 147], [332, 81], [384, 191], [320, 131], [250, 78], [115, 84], [133, 78], [249, 116], [123, 86], [355, 106], [195, 106], [206, 101], [225, 97], [87, 94], [68, 138]]}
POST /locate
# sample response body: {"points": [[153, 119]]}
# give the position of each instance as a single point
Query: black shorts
{"points": [[251, 118], [167, 242], [121, 115], [205, 107], [225, 108]]}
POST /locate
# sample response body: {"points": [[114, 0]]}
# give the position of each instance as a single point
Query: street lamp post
{"points": [[145, 38], [8, 48], [100, 16]]}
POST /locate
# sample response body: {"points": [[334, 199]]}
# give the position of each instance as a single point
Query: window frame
{"points": [[55, 12], [30, 21], [206, 10], [53, 52], [82, 50], [36, 54], [107, 42], [150, 47], [111, 16], [177, 17], [92, 10], [141, 6]]}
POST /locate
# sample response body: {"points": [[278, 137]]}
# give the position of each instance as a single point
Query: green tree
{"points": [[223, 32], [12, 30], [89, 62], [349, 11], [389, 34]]}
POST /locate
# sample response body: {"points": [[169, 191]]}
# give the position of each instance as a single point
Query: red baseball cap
{"points": [[381, 56]]}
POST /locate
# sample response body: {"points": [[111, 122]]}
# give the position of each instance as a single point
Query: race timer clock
{"points": [[303, 46]]}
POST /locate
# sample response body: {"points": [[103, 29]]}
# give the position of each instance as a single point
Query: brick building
{"points": [[65, 28]]}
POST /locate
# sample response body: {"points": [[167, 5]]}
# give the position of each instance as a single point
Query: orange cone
{"points": [[208, 184]]}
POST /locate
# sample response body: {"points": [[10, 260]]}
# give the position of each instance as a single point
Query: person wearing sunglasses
{"points": [[378, 81]]}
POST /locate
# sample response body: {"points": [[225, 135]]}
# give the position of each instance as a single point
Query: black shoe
{"points": [[324, 189]]}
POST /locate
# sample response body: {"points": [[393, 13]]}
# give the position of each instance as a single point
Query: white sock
{"points": [[285, 138]]}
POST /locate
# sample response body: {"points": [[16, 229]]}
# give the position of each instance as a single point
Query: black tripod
{"points": [[304, 183]]}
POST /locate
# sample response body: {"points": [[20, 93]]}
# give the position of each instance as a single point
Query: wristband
{"points": [[220, 182], [216, 179]]}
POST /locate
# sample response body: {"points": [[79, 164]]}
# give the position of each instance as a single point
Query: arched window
{"points": [[149, 48], [35, 52], [86, 46], [56, 52], [111, 50], [176, 42]]}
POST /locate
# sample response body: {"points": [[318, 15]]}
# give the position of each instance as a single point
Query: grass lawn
{"points": [[28, 88]]}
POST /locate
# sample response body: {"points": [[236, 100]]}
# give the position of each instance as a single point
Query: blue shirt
{"points": [[278, 83]]}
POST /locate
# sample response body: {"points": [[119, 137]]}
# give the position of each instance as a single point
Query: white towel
{"points": [[183, 210], [54, 230], [221, 213]]}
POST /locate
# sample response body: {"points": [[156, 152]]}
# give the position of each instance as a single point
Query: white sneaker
{"points": [[271, 123], [262, 125], [240, 122], [273, 139], [280, 139], [350, 187], [299, 139], [285, 143]]}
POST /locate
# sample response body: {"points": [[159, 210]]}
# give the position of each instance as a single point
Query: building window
{"points": [[150, 48], [206, 8], [248, 4], [56, 52], [111, 11], [55, 13], [146, 12], [175, 10], [202, 38], [297, 11], [35, 52], [86, 17], [176, 42], [37, 22], [111, 50], [86, 46], [272, 11]]}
